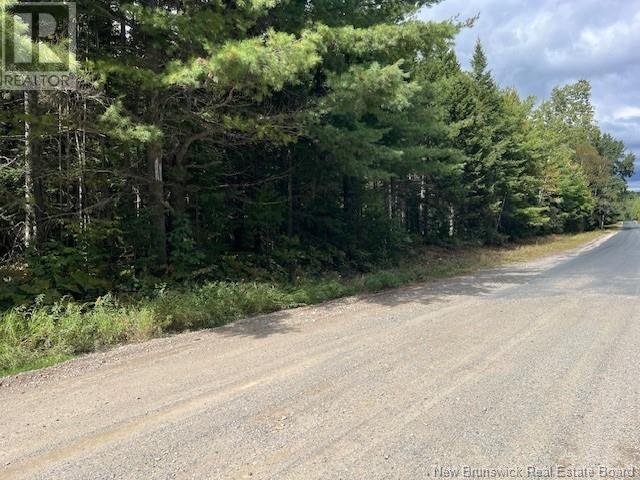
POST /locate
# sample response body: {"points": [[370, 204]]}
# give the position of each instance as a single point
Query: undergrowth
{"points": [[40, 335]]}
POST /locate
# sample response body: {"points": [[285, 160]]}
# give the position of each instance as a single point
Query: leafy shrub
{"points": [[44, 333], [382, 280]]}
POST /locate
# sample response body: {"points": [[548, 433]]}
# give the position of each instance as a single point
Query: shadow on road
{"points": [[260, 326], [482, 283], [611, 268]]}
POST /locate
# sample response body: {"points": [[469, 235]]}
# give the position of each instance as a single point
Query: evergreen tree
{"points": [[231, 140]]}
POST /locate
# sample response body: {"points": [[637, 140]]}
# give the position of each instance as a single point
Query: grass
{"points": [[37, 363], [40, 336], [544, 246]]}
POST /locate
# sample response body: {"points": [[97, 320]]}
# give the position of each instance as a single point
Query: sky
{"points": [[534, 45]]}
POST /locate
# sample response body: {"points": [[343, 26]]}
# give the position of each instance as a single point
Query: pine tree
{"points": [[234, 139]]}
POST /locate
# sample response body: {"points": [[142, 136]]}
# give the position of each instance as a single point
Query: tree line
{"points": [[237, 139]]}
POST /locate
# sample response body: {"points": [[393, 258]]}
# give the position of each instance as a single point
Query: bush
{"points": [[43, 334], [381, 280]]}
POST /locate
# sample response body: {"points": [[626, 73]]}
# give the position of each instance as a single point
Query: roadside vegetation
{"points": [[227, 158], [631, 207], [41, 335]]}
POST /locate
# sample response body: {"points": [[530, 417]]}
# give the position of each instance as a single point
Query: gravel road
{"points": [[532, 367]]}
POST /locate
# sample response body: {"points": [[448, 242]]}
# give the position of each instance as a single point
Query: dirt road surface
{"points": [[527, 366]]}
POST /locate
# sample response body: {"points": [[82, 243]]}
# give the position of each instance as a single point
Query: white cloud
{"points": [[535, 45], [627, 113], [634, 185]]}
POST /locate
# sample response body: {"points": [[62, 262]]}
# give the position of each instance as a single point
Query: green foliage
{"points": [[68, 328], [39, 335], [51, 274], [185, 256], [382, 280], [116, 124], [631, 207], [234, 145]]}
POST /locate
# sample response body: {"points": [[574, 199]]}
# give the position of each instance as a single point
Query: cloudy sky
{"points": [[534, 45]]}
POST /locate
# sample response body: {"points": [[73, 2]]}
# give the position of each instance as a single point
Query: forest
{"points": [[277, 140]]}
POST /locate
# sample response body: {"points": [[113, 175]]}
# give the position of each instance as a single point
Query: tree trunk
{"points": [[138, 200], [452, 216], [81, 148], [30, 171], [178, 190], [352, 204], [290, 198], [499, 217], [158, 246], [423, 211], [351, 200]]}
